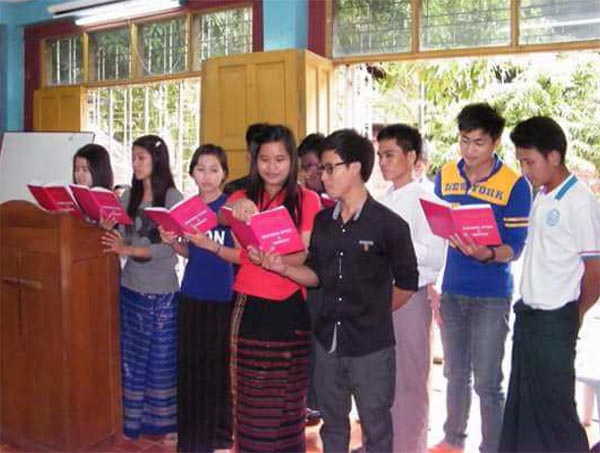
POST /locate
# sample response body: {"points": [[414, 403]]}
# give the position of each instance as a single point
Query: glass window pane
{"points": [[221, 33], [163, 47], [120, 114], [109, 55], [64, 60], [456, 24], [546, 21], [366, 27]]}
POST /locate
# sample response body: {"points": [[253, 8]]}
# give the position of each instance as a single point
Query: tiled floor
{"points": [[156, 445]]}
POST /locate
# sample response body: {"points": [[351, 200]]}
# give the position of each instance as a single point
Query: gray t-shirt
{"points": [[155, 275]]}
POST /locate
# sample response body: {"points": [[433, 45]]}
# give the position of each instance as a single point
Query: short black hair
{"points": [[481, 116], [352, 147], [311, 144], [208, 149], [408, 138], [541, 133]]}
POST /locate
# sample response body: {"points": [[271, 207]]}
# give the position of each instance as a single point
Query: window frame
{"points": [[320, 27], [36, 35]]}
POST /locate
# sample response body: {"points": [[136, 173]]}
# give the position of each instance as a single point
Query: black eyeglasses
{"points": [[328, 168]]}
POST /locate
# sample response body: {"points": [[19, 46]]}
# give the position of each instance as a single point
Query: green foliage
{"points": [[110, 54], [563, 86]]}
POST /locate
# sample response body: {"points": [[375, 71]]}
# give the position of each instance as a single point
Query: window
{"points": [[365, 27], [452, 24], [221, 33], [416, 28], [109, 55], [543, 21], [163, 47], [120, 114], [64, 57]]}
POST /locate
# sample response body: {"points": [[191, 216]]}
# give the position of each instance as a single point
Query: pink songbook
{"points": [[188, 216], [475, 220], [271, 230], [99, 203], [55, 198]]}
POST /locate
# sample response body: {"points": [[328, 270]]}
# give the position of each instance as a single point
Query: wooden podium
{"points": [[60, 381]]}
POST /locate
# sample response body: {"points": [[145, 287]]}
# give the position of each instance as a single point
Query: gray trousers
{"points": [[370, 379], [410, 412]]}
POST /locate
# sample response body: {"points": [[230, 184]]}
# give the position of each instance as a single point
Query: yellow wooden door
{"points": [[291, 87], [59, 109]]}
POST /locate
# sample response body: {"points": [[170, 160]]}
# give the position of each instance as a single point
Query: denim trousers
{"points": [[474, 332]]}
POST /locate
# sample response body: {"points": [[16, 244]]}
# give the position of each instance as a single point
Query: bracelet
{"points": [[218, 250], [492, 257]]}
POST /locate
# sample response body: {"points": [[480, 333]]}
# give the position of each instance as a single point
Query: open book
{"points": [[188, 216], [100, 203], [267, 230], [475, 220], [55, 198]]}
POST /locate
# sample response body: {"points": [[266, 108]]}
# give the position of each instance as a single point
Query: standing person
{"points": [[362, 256], [561, 281], [310, 177], [477, 285], [399, 149], [205, 301], [148, 305], [91, 167], [271, 323], [252, 135], [422, 168]]}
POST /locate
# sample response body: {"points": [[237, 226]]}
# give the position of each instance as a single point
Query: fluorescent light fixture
{"points": [[88, 12]]}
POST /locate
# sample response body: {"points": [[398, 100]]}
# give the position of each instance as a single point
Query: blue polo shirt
{"points": [[207, 277], [509, 195]]}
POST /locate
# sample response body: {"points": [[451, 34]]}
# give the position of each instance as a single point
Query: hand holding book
{"points": [[271, 230], [468, 223], [189, 216]]}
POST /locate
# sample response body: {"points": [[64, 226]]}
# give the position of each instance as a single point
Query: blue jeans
{"points": [[473, 335]]}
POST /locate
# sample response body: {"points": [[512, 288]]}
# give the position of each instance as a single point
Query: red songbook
{"points": [[100, 203], [188, 216], [475, 220], [55, 198], [267, 230]]}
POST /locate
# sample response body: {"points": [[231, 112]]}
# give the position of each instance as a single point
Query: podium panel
{"points": [[60, 385]]}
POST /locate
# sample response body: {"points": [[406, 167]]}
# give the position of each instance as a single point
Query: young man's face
{"points": [[396, 165], [477, 148], [338, 178], [536, 167]]}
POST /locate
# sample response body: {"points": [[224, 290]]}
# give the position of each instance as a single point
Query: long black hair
{"points": [[255, 187], [98, 161], [161, 179]]}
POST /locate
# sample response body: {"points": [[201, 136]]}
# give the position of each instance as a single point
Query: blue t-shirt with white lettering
{"points": [[207, 277]]}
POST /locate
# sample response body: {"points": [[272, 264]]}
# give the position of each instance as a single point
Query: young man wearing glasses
{"points": [[477, 285], [362, 256]]}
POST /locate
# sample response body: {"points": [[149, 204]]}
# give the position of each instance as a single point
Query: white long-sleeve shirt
{"points": [[430, 249]]}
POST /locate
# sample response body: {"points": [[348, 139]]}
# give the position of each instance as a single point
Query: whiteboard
{"points": [[37, 156]]}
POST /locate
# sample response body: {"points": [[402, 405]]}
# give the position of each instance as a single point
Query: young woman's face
{"points": [[82, 173], [273, 163], [208, 174], [142, 163], [312, 174]]}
